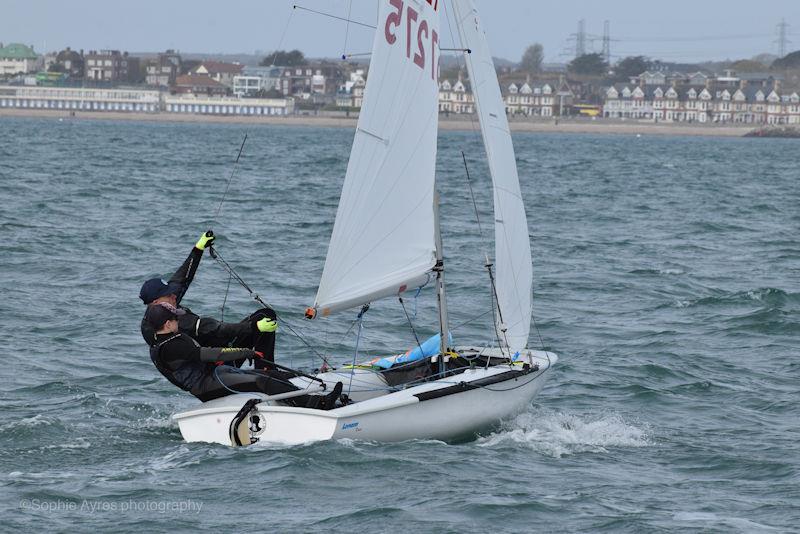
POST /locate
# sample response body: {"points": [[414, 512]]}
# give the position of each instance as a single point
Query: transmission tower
{"points": [[783, 38], [580, 39], [607, 42]]}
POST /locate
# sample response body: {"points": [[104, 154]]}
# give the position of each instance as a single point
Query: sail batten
{"points": [[512, 245], [383, 236]]}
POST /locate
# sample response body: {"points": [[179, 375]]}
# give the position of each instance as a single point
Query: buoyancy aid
{"points": [[186, 376]]}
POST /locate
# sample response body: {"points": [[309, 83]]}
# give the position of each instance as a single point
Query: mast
{"points": [[440, 292]]}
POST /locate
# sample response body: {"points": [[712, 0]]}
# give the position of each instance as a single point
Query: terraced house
{"points": [[547, 100], [748, 99], [455, 97], [521, 97]]}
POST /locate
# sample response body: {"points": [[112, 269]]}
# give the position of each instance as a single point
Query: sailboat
{"points": [[386, 241]]}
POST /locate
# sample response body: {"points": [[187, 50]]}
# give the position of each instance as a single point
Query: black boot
{"points": [[329, 400]]}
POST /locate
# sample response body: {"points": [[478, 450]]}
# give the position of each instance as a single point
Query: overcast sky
{"points": [[679, 30]]}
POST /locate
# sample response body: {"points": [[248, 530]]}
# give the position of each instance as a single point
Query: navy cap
{"points": [[158, 314], [156, 287]]}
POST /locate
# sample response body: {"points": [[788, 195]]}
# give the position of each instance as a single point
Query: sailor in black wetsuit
{"points": [[256, 331], [201, 370]]}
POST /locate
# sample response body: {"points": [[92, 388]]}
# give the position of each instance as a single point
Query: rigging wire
{"points": [[283, 36], [413, 331], [230, 178], [216, 255], [468, 321], [358, 341], [347, 30], [487, 264], [225, 299], [334, 16]]}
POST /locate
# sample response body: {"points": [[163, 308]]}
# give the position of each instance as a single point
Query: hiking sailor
{"points": [[256, 331], [202, 370]]}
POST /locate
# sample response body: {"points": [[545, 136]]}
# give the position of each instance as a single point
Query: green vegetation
{"points": [[532, 59], [790, 61], [629, 67], [748, 65], [282, 58], [588, 65]]}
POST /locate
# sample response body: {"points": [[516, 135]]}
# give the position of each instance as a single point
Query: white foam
{"points": [[558, 434], [737, 522], [28, 422], [79, 443]]}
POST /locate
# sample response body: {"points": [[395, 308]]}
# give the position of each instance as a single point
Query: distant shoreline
{"points": [[584, 126]]}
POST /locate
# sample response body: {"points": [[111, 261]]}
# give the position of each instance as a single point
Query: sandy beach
{"points": [[585, 126]]}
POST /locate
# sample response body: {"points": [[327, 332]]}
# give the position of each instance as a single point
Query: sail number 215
{"points": [[417, 34]]}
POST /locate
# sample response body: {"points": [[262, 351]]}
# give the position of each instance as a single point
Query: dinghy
{"points": [[386, 241]]}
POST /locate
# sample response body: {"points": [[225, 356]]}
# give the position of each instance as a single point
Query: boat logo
{"points": [[350, 426]]}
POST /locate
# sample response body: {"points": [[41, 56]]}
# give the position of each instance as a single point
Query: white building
{"points": [[719, 101], [18, 59], [63, 98], [191, 104], [253, 80], [530, 101], [455, 97], [351, 93]]}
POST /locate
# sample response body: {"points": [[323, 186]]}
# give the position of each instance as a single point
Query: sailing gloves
{"points": [[206, 240], [267, 325]]}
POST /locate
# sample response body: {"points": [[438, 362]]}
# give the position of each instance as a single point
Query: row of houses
{"points": [[137, 100], [521, 98], [323, 81], [701, 98]]}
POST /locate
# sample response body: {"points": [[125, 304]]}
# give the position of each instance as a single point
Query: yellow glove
{"points": [[206, 240], [267, 325]]}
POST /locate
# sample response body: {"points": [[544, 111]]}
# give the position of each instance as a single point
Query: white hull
{"points": [[447, 409]]}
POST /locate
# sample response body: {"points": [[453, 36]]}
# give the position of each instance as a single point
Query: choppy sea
{"points": [[666, 276]]}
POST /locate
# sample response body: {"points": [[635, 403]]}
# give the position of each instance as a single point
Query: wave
{"points": [[741, 524], [559, 434], [36, 421], [769, 296], [658, 272]]}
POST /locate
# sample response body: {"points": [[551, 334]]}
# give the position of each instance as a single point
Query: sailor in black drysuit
{"points": [[254, 332], [201, 370]]}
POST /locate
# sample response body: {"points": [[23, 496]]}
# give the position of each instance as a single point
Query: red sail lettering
{"points": [[411, 14], [419, 57], [393, 20], [434, 46]]}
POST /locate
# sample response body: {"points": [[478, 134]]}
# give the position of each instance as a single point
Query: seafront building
{"points": [[255, 80], [303, 81], [136, 100], [219, 71], [745, 99], [547, 100], [455, 97], [16, 58], [521, 97], [163, 70], [199, 84], [79, 99], [351, 93], [193, 104], [111, 66]]}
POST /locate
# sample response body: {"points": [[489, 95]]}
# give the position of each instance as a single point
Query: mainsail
{"points": [[512, 246], [383, 237]]}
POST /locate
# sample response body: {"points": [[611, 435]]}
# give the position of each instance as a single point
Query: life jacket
{"points": [[186, 376]]}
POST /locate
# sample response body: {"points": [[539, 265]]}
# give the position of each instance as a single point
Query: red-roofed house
{"points": [[218, 71], [198, 84]]}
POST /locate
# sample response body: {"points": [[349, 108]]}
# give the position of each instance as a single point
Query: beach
{"points": [[451, 123]]}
